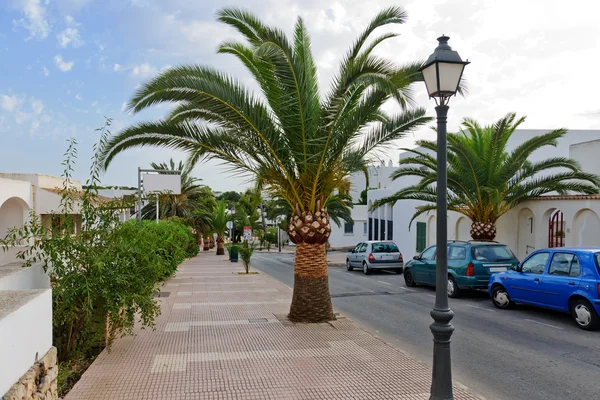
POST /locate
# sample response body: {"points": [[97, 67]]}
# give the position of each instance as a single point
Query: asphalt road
{"points": [[525, 353]]}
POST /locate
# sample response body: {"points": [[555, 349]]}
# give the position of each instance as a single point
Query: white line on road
{"points": [[481, 308], [385, 283], [541, 323]]}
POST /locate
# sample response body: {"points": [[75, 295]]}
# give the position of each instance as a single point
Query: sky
{"points": [[66, 64]]}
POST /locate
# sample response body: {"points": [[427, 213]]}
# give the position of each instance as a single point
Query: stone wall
{"points": [[39, 383]]}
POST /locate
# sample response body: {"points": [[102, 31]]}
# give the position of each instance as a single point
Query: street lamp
{"points": [[233, 220], [442, 72]]}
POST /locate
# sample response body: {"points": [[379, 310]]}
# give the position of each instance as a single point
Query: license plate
{"points": [[497, 269]]}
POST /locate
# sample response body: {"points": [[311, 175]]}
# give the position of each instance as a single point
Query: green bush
{"points": [[246, 252]]}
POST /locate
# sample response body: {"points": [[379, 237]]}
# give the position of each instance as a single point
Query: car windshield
{"points": [[492, 252], [385, 248], [597, 259]]}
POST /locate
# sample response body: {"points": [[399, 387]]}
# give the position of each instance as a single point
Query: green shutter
{"points": [[421, 236]]}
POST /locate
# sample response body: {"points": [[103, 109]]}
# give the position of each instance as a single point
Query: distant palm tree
{"points": [[485, 180], [219, 225], [175, 205], [301, 144]]}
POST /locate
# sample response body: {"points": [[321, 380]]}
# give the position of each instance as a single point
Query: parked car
{"points": [[470, 265], [564, 279], [375, 255]]}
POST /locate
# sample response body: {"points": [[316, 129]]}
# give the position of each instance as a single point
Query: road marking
{"points": [[431, 295], [541, 323], [385, 283], [481, 308], [403, 288]]}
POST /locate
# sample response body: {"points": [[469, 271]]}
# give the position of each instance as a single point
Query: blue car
{"points": [[564, 279]]}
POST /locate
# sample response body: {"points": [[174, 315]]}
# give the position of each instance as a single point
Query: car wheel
{"points": [[584, 315], [366, 269], [348, 267], [408, 278], [453, 290], [501, 299]]}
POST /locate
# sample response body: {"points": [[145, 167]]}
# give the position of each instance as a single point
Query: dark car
{"points": [[564, 279], [470, 265]]}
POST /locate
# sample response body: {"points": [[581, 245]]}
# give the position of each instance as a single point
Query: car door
{"points": [[353, 257], [423, 265], [362, 254], [525, 286], [561, 280]]}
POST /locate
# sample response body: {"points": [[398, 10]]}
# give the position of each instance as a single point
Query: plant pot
{"points": [[233, 254]]}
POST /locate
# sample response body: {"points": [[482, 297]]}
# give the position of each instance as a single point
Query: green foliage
{"points": [[245, 252], [103, 273], [363, 198], [300, 145], [485, 180], [271, 235], [220, 218]]}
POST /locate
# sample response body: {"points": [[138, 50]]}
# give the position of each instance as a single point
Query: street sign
{"points": [[247, 233], [229, 225]]}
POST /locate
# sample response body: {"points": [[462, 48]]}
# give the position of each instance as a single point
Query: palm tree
{"points": [[300, 144], [219, 225], [175, 205], [485, 180]]}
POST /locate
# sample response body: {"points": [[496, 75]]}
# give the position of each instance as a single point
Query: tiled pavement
{"points": [[221, 336]]}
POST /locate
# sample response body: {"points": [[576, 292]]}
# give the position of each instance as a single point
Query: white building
{"points": [[348, 235], [531, 225]]}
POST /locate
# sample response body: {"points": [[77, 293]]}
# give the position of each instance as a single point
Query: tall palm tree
{"points": [[219, 225], [176, 205], [485, 180], [301, 144]]}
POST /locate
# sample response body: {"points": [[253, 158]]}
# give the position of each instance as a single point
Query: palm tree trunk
{"points": [[220, 245], [206, 244], [483, 230], [311, 301]]}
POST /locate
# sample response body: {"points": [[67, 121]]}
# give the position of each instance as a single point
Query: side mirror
{"points": [[350, 250], [416, 257]]}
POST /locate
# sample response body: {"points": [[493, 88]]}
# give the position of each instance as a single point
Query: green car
{"points": [[470, 265]]}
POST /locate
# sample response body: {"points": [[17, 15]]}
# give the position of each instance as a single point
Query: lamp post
{"points": [[233, 220], [442, 73]]}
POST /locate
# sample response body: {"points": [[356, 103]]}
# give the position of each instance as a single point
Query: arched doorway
{"points": [[463, 229], [526, 233], [13, 213], [431, 231], [556, 229], [586, 228]]}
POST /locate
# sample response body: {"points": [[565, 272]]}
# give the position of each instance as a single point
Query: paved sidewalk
{"points": [[223, 336]]}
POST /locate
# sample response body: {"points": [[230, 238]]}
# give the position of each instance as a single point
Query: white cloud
{"points": [[21, 116], [94, 104], [143, 70], [63, 65], [37, 106], [35, 125], [117, 67], [10, 103], [35, 19], [69, 36], [46, 71], [78, 97]]}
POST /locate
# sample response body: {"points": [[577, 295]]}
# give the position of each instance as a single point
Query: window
{"points": [[457, 253], [365, 228], [385, 248], [597, 260], [561, 263], [357, 248], [492, 252], [363, 248], [428, 254], [575, 267], [390, 230], [348, 228], [536, 263], [421, 236]]}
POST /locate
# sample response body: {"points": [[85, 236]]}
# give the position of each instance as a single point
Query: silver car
{"points": [[375, 255]]}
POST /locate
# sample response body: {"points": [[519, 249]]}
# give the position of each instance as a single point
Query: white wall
{"points": [[587, 155], [25, 278], [25, 333], [339, 239]]}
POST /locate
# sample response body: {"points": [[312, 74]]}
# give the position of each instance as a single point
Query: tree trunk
{"points": [[206, 244], [483, 230], [220, 245], [311, 301]]}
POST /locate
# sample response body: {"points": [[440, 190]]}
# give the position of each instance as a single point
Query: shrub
{"points": [[246, 252]]}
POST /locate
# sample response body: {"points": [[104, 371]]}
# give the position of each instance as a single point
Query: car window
{"points": [[492, 252], [597, 261], [428, 254], [536, 263], [363, 248], [457, 253], [385, 248], [561, 264], [575, 267], [357, 248]]}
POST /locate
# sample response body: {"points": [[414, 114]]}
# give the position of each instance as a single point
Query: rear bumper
{"points": [[385, 265], [473, 282]]}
